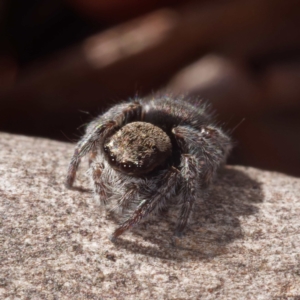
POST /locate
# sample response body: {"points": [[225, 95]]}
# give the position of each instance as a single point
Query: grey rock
{"points": [[242, 243]]}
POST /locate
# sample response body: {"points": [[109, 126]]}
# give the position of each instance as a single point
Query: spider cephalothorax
{"points": [[147, 153], [137, 148]]}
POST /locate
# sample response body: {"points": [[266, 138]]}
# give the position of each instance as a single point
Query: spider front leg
{"points": [[86, 145], [153, 200], [202, 153], [98, 130]]}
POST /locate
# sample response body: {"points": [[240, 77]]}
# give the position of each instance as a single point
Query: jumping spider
{"points": [[148, 153]]}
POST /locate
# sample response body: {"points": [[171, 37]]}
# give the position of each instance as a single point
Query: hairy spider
{"points": [[148, 153]]}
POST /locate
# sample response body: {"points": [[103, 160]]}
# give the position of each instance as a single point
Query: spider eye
{"points": [[112, 158], [154, 148], [128, 166], [206, 132], [105, 148]]}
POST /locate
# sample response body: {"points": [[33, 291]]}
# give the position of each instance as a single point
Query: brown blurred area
{"points": [[64, 62]]}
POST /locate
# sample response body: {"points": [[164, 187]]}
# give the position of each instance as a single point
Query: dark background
{"points": [[64, 62]]}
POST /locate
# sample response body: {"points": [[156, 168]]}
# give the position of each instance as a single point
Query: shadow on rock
{"points": [[215, 222]]}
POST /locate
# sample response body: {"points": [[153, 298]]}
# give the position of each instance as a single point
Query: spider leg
{"points": [[190, 179], [98, 130], [128, 197], [99, 188], [202, 153], [85, 145], [92, 156], [152, 201]]}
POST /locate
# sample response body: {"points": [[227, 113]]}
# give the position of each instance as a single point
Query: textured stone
{"points": [[244, 244]]}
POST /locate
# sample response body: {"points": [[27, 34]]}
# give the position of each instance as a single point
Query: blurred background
{"points": [[64, 62]]}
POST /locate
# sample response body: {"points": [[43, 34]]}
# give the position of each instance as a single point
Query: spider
{"points": [[148, 153]]}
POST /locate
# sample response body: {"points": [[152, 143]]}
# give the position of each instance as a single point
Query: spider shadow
{"points": [[215, 222], [81, 189]]}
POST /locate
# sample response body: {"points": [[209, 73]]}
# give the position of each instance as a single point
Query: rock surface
{"points": [[244, 244]]}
